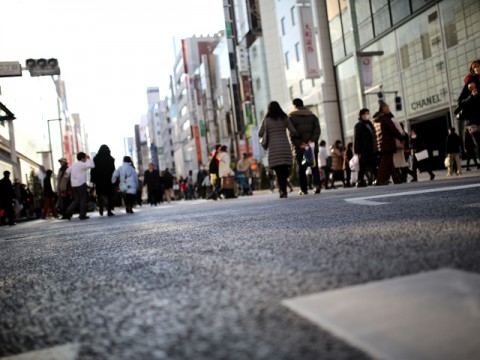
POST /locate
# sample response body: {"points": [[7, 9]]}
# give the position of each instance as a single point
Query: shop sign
{"points": [[429, 101]]}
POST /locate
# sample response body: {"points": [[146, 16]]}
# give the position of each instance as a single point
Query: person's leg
{"points": [[83, 200], [383, 170], [393, 171], [74, 204], [458, 161], [450, 164], [302, 177], [46, 207], [281, 173]]}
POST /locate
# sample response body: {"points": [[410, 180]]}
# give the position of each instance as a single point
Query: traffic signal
{"points": [[42, 67], [380, 97], [398, 103]]}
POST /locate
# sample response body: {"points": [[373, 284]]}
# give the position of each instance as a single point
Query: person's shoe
{"points": [[66, 217], [100, 211], [318, 190], [110, 213], [361, 184], [432, 177], [303, 193], [84, 217]]}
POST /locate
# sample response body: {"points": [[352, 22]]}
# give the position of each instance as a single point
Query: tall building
{"points": [[419, 50], [187, 138]]}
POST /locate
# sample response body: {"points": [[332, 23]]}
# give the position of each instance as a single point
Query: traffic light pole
{"points": [[13, 152]]}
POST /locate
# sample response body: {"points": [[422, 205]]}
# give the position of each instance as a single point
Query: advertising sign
{"points": [[309, 44]]}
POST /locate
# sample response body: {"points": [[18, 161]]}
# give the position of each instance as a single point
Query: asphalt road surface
{"points": [[205, 280]]}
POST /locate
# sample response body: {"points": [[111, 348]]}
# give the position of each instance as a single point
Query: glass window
{"points": [[348, 94], [418, 4], [282, 25], [287, 65], [400, 9], [362, 8], [453, 23], [297, 51], [381, 20], [365, 31], [292, 14], [290, 91]]}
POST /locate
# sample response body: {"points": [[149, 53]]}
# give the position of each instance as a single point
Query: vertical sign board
{"points": [[367, 71], [198, 146], [310, 55]]}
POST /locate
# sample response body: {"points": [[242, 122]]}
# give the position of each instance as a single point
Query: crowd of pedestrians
{"points": [[382, 152]]}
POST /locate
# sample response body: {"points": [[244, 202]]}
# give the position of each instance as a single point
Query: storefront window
{"points": [[385, 65], [381, 19], [453, 22], [364, 21], [418, 4], [335, 25]]}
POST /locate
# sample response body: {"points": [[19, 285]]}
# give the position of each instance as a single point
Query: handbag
{"points": [[308, 159], [264, 139], [421, 155], [447, 162], [123, 187]]}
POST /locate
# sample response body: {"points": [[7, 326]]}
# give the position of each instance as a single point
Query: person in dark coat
{"points": [[151, 178], [48, 196], [364, 145], [168, 183], [274, 127], [213, 168], [386, 132], [469, 102], [101, 175], [470, 149], [7, 194], [307, 127], [454, 152], [418, 145]]}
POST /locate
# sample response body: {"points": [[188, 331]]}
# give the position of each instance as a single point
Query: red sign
{"points": [[198, 145]]}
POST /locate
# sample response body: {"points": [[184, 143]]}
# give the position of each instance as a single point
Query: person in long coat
{"points": [[128, 182], [7, 194], [275, 126], [101, 175], [386, 133]]}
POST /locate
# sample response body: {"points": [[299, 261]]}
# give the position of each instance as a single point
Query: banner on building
{"points": [[310, 55], [198, 145], [367, 71]]}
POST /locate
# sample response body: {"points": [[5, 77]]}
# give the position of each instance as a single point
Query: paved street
{"points": [[206, 280]]}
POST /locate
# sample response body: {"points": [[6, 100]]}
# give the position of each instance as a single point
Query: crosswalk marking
{"points": [[366, 200]]}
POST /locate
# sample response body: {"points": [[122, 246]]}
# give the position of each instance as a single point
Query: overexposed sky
{"points": [[109, 52]]}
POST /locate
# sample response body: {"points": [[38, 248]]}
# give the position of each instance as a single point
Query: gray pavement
{"points": [[206, 280]]}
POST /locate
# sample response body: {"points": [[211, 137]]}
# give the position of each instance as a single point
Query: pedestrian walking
{"points": [[127, 177], [469, 102], [168, 183], [347, 156], [64, 188], [213, 171], [244, 173], [364, 147], [274, 127], [190, 191], [386, 133], [454, 152], [78, 178], [151, 178], [201, 175], [7, 196], [399, 160], [418, 146], [307, 132], [225, 173], [337, 174], [101, 176], [470, 149], [48, 197], [324, 163]]}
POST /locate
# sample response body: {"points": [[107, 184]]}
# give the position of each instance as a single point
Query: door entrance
{"points": [[433, 132]]}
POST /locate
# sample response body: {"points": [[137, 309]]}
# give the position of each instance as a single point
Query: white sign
{"points": [[312, 68], [10, 68]]}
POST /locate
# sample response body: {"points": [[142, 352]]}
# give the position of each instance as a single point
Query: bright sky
{"points": [[109, 52]]}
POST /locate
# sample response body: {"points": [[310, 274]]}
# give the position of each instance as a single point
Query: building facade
{"points": [[421, 52]]}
